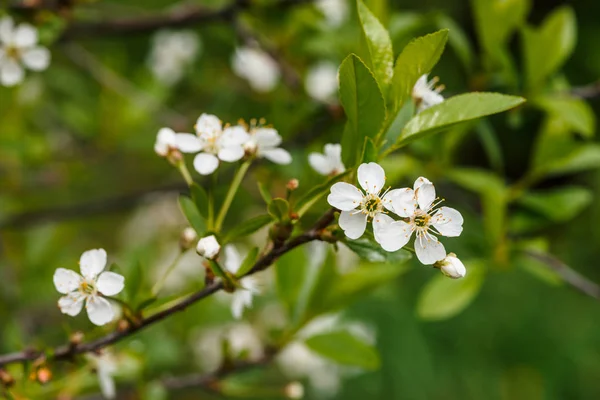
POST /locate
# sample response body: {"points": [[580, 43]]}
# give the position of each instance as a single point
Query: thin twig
{"points": [[67, 351], [569, 275], [588, 91]]}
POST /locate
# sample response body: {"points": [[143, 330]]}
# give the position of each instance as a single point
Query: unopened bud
{"points": [[208, 247], [188, 238], [76, 338], [292, 184], [44, 375], [294, 390], [451, 266], [6, 379], [123, 325]]}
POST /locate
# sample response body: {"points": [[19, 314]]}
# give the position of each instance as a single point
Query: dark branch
{"points": [[569, 275], [587, 92]]}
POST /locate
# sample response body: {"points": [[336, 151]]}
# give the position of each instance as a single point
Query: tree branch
{"points": [[588, 91], [569, 275], [67, 351]]}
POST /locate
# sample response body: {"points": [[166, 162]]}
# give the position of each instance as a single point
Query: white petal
{"points": [[36, 59], [208, 247], [425, 196], [6, 29], [320, 163], [234, 135], [429, 250], [391, 235], [205, 163], [66, 280], [231, 153], [371, 177], [404, 201], [353, 224], [99, 310], [208, 124], [25, 36], [344, 196], [267, 137], [110, 283], [71, 304], [11, 73], [233, 260], [187, 143], [420, 181], [107, 384], [390, 196], [92, 262], [241, 298], [278, 156], [447, 221], [334, 153]]}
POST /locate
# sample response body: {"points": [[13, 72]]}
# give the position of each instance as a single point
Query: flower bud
{"points": [[188, 238], [292, 184], [44, 375], [208, 247], [76, 338], [294, 390], [451, 266]]}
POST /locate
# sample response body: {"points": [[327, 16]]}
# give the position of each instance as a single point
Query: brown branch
{"points": [[68, 351], [587, 92], [569, 275]]}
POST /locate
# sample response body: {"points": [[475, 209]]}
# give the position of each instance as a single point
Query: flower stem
{"points": [[228, 282], [158, 285], [185, 172], [235, 184]]}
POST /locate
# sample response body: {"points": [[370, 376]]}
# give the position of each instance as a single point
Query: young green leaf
{"points": [[247, 227], [200, 199], [576, 113], [558, 205], [443, 298], [248, 262], [344, 348], [583, 158], [376, 46], [457, 109], [363, 104], [417, 58], [189, 210], [264, 192], [279, 209]]}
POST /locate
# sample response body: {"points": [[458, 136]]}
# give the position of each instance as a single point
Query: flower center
{"points": [[12, 52], [88, 287], [371, 205]]}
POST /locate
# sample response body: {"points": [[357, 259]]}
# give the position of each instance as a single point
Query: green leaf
{"points": [[200, 198], [376, 46], [559, 205], [457, 109], [576, 113], [290, 272], [247, 227], [368, 250], [343, 348], [369, 151], [308, 199], [548, 47], [264, 192], [458, 40], [279, 209], [417, 58], [497, 20], [248, 262], [583, 158], [363, 104], [189, 210], [443, 298]]}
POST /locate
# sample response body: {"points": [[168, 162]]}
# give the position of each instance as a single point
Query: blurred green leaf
{"points": [[290, 271], [308, 199], [560, 204], [189, 210], [583, 158], [248, 262], [363, 104], [264, 192], [547, 48], [344, 348], [279, 209], [376, 46], [576, 113], [497, 20], [369, 250], [247, 227], [200, 198], [458, 40], [443, 298], [417, 58], [369, 151], [457, 109]]}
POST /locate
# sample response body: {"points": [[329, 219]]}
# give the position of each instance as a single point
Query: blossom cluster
{"points": [[215, 142], [417, 208]]}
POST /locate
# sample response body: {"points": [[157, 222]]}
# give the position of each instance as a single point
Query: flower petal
{"points": [[333, 151], [187, 143], [205, 163], [231, 153], [344, 196], [404, 201], [320, 163], [267, 137], [92, 262], [388, 199], [391, 235], [233, 260], [425, 196], [420, 181], [208, 124], [71, 304], [25, 35], [448, 221], [429, 250], [36, 58], [241, 299], [66, 280], [6, 29], [11, 73], [353, 223], [99, 310], [110, 283], [278, 156], [371, 177], [107, 384], [234, 135], [380, 224]]}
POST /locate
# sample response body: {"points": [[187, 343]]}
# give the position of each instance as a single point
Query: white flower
{"points": [[357, 206], [167, 142], [425, 94], [419, 207], [264, 142], [18, 45], [321, 82], [91, 287], [105, 366], [208, 247], [452, 267], [294, 390], [257, 67], [171, 53], [335, 11], [329, 163], [242, 298]]}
